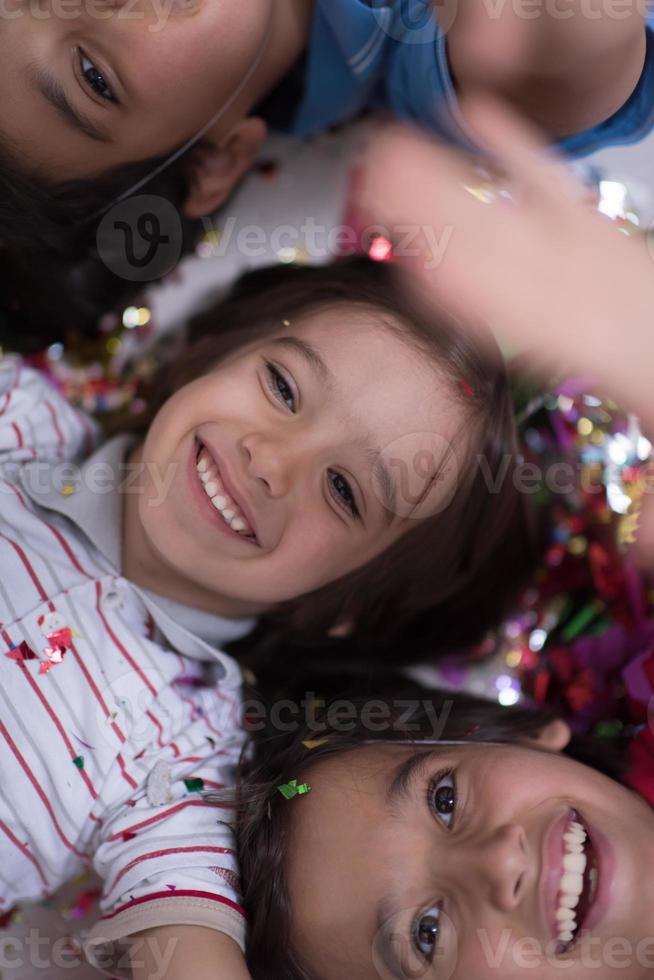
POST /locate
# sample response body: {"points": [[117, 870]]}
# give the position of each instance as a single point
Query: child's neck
{"points": [[567, 104], [143, 566], [289, 38]]}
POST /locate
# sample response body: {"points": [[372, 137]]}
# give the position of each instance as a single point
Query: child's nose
{"points": [[496, 866], [271, 461]]}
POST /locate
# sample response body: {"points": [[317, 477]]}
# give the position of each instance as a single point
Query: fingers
{"points": [[521, 151]]}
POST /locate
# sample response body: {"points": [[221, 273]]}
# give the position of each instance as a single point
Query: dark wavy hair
{"points": [[53, 280], [264, 826], [449, 578]]}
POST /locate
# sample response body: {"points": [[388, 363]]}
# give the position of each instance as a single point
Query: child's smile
{"points": [[276, 480], [474, 861]]}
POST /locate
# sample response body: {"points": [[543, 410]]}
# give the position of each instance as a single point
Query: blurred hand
{"points": [[544, 269]]}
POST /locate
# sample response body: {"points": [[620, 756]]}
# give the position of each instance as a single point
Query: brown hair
{"points": [[446, 579], [264, 816]]}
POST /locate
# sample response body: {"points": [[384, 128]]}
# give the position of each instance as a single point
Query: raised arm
{"points": [[544, 269]]}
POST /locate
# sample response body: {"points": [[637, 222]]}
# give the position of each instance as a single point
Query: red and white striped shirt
{"points": [[118, 712]]}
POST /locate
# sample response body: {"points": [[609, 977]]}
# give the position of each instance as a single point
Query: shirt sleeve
{"points": [[166, 853], [36, 421]]}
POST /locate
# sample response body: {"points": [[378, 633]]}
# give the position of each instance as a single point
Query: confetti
{"points": [[128, 835], [21, 653], [158, 785], [79, 761], [194, 785], [68, 490], [314, 743], [291, 789]]}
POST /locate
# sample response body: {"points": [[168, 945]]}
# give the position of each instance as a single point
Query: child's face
{"points": [[451, 868], [296, 436], [166, 69]]}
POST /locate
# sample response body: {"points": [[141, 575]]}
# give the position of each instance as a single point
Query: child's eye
{"points": [[339, 487], [280, 386], [441, 797], [345, 495], [426, 932], [95, 78]]}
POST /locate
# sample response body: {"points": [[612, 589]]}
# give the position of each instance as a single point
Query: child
{"points": [[316, 460], [201, 69], [478, 847]]}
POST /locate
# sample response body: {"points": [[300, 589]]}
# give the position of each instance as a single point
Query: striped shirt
{"points": [[118, 712]]}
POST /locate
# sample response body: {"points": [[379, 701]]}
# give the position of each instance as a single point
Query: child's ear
{"points": [[555, 736], [216, 167]]}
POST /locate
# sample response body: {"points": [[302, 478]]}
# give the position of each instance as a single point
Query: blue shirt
{"points": [[392, 54]]}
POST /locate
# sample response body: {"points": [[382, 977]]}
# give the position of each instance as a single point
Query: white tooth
{"points": [[203, 465], [577, 828], [565, 937], [574, 837], [211, 487], [575, 863], [229, 515], [572, 883], [564, 915], [239, 525], [219, 502], [205, 477], [568, 901], [574, 848]]}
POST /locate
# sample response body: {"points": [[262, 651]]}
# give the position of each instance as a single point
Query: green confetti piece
{"points": [[608, 729], [79, 761], [289, 790], [194, 785], [583, 619]]}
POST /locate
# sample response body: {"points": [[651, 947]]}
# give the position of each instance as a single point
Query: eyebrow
{"points": [[405, 774], [319, 366], [403, 778], [54, 93]]}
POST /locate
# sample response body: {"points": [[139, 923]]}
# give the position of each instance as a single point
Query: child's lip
{"points": [[605, 877], [229, 487]]}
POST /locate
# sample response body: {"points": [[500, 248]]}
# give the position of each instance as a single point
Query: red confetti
{"points": [[21, 653], [467, 390], [85, 902], [128, 835], [228, 876]]}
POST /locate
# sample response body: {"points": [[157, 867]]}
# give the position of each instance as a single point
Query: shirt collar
{"points": [[89, 495]]}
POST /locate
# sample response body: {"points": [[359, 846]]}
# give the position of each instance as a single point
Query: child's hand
{"points": [[544, 269], [186, 953]]}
